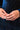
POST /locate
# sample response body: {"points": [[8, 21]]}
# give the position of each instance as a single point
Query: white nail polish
{"points": [[4, 17]]}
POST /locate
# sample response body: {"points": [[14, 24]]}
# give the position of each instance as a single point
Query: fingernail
{"points": [[4, 17], [7, 17]]}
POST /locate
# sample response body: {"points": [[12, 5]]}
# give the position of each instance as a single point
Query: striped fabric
{"points": [[5, 4]]}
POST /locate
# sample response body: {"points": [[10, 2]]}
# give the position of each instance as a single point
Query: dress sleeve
{"points": [[19, 9], [4, 4]]}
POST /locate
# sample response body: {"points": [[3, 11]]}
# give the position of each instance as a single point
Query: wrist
{"points": [[17, 12]]}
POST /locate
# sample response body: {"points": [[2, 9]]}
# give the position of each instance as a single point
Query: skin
{"points": [[2, 13], [19, 14], [12, 16]]}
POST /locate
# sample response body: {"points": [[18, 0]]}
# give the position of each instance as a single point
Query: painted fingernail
{"points": [[4, 17]]}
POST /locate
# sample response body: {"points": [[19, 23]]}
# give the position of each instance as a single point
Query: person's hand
{"points": [[13, 15], [2, 13], [19, 14]]}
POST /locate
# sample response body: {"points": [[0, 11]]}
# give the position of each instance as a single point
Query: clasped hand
{"points": [[12, 16]]}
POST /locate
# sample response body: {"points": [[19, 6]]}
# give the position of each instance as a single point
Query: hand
{"points": [[2, 13], [13, 15]]}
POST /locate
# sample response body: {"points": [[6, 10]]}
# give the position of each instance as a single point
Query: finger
{"points": [[4, 12], [8, 15], [11, 16], [12, 19], [3, 17], [9, 19], [11, 12]]}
